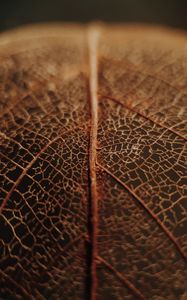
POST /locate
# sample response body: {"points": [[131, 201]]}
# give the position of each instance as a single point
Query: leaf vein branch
{"points": [[144, 116], [161, 225], [122, 278]]}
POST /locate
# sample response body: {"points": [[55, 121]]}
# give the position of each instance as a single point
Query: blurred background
{"points": [[17, 12]]}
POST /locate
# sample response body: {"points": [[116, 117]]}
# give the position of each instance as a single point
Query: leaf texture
{"points": [[93, 175]]}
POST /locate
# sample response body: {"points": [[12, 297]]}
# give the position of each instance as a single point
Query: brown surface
{"points": [[92, 158]]}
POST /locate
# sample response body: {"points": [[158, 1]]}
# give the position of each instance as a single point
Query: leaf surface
{"points": [[93, 163]]}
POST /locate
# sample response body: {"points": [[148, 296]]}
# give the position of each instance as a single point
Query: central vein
{"points": [[93, 38]]}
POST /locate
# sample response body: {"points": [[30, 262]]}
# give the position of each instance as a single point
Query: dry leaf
{"points": [[93, 163]]}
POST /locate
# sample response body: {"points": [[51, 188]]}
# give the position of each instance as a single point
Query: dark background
{"points": [[169, 12]]}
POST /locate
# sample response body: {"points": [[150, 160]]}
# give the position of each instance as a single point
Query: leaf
{"points": [[93, 163]]}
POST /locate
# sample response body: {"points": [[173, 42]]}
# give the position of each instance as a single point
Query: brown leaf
{"points": [[93, 163]]}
